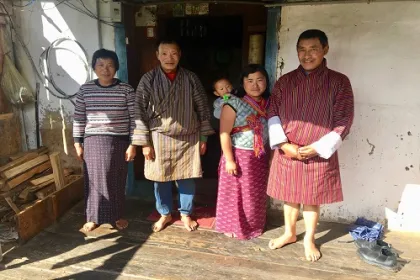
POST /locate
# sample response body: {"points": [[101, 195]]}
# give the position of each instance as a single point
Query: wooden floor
{"points": [[62, 252]]}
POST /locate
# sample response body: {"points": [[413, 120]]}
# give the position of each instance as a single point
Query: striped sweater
{"points": [[104, 110]]}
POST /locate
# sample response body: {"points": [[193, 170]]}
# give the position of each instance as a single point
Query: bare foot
{"points": [[121, 224], [230, 234], [189, 223], [161, 223], [312, 253], [281, 241], [89, 226]]}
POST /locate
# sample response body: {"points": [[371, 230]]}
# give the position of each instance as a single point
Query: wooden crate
{"points": [[45, 212]]}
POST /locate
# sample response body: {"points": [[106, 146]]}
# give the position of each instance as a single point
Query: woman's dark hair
{"points": [[103, 53], [251, 69]]}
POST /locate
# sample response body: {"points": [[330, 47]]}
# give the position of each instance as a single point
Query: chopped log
{"points": [[57, 171], [25, 176], [40, 151], [18, 161], [12, 205], [41, 186], [11, 173], [26, 195], [50, 177], [41, 194]]}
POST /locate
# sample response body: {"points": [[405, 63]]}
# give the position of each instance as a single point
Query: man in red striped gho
{"points": [[310, 114]]}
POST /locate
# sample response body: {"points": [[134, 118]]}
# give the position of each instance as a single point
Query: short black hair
{"points": [[251, 69], [312, 34], [168, 41], [103, 53], [219, 78]]}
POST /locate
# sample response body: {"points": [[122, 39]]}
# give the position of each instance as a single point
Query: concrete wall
{"points": [[40, 24], [375, 45]]}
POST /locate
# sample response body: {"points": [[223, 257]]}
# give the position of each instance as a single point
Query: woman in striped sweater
{"points": [[102, 129]]}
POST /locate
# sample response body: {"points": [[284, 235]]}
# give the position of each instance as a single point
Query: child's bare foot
{"points": [[230, 234], [281, 241], [312, 253], [89, 226], [121, 224], [189, 223], [161, 223]]}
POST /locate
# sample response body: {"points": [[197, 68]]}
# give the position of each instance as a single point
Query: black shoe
{"points": [[374, 245], [383, 257]]}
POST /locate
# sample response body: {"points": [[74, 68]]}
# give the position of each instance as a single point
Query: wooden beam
{"points": [[26, 176], [57, 171], [49, 178], [12, 205], [13, 172], [18, 161], [7, 116], [43, 179], [40, 151], [41, 186]]}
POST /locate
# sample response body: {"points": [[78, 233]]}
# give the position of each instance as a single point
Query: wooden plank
{"points": [[57, 170], [13, 172], [41, 186], [18, 161], [11, 136], [7, 116], [34, 219], [12, 205], [68, 196], [43, 179], [39, 151], [49, 178], [25, 176]]}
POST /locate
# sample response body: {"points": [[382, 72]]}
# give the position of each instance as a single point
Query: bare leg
{"points": [[189, 223], [89, 226], [311, 216], [291, 213], [161, 223]]}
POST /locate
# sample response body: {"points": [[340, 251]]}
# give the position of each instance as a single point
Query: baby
{"points": [[221, 88]]}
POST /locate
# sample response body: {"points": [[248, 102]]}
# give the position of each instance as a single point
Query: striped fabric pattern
{"points": [[310, 106], [241, 199], [171, 108], [176, 158], [104, 110], [171, 116]]}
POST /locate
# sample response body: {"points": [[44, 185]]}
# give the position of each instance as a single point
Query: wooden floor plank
{"points": [[162, 262], [138, 253]]}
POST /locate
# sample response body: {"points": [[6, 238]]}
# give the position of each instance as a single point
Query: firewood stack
{"points": [[28, 177]]}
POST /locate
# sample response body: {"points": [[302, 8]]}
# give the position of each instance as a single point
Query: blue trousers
{"points": [[163, 194]]}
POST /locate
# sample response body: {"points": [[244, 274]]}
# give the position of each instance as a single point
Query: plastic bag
{"points": [[14, 85]]}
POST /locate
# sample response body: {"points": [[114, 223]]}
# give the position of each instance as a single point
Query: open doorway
{"points": [[211, 48], [213, 44]]}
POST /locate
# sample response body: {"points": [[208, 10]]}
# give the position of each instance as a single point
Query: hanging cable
{"points": [[46, 74], [44, 65]]}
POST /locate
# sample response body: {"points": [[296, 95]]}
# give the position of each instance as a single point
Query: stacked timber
{"points": [[28, 177]]}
